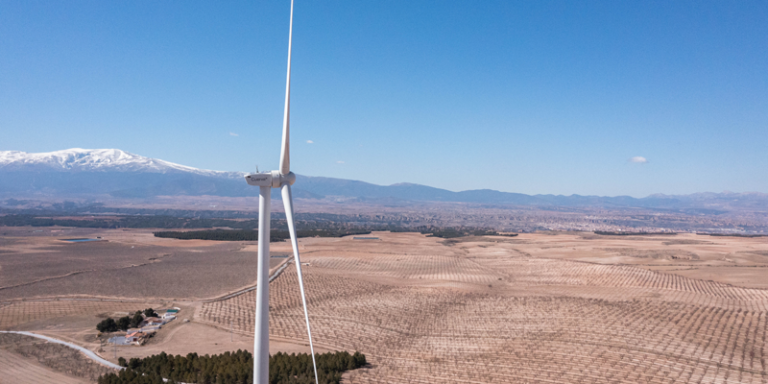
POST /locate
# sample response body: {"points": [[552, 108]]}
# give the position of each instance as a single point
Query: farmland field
{"points": [[27, 359], [128, 264], [17, 369], [540, 308], [537, 308]]}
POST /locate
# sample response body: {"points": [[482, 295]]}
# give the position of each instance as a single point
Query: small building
{"points": [[137, 338], [168, 316], [152, 321]]}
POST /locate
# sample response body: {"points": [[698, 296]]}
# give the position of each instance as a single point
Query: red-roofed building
{"points": [[137, 338]]}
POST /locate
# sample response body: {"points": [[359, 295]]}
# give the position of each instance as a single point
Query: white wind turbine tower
{"points": [[282, 179]]}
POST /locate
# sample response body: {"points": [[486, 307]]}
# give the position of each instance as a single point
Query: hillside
{"points": [[112, 172]]}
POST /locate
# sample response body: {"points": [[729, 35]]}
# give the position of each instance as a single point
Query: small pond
{"points": [[81, 240]]}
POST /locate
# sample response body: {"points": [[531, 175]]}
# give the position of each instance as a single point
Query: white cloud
{"points": [[233, 134], [339, 162], [310, 142], [638, 159]]}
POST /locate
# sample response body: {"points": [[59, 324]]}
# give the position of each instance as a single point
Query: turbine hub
{"points": [[272, 179]]}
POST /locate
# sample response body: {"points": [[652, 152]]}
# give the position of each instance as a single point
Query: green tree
{"points": [[107, 325], [137, 319], [234, 368], [124, 323]]}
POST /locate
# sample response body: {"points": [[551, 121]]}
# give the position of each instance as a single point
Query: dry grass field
{"points": [[129, 264], [27, 359], [17, 369], [537, 308], [63, 314]]}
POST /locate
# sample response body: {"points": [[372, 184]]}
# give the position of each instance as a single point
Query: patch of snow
{"points": [[78, 159]]}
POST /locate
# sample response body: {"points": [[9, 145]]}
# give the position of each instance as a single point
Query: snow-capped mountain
{"points": [[76, 171], [88, 172], [89, 160]]}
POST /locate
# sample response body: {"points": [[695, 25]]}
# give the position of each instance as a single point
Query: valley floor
{"points": [[537, 308]]}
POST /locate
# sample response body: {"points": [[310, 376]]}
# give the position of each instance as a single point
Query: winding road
{"points": [[90, 354], [93, 356]]}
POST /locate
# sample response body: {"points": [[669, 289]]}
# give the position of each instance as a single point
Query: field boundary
{"points": [[279, 270], [46, 299]]}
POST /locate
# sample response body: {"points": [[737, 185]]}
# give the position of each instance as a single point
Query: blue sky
{"points": [[531, 97]]}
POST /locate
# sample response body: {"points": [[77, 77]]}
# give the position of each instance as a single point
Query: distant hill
{"points": [[79, 172]]}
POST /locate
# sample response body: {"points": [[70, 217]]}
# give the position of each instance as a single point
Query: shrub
{"points": [[107, 325], [137, 319], [149, 312], [124, 323]]}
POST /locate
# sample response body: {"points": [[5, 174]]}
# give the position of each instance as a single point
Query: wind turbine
{"points": [[282, 179]]}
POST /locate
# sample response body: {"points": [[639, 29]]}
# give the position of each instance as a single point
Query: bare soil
{"points": [[27, 359], [537, 308], [129, 264], [15, 368], [554, 307]]}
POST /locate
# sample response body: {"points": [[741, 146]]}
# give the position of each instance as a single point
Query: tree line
{"points": [[449, 233], [734, 234], [452, 232], [233, 368], [313, 222], [123, 222], [280, 235], [253, 235], [242, 230], [122, 324], [622, 233]]}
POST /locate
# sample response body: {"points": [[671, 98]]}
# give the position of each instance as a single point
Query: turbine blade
{"points": [[285, 156], [288, 204]]}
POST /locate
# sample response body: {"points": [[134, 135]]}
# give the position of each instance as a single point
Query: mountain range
{"points": [[82, 172]]}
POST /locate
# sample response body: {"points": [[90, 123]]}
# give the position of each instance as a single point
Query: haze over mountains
{"points": [[81, 172]]}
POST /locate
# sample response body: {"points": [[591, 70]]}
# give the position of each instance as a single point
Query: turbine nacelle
{"points": [[272, 179]]}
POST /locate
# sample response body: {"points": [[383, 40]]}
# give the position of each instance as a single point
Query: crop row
{"points": [[20, 312], [422, 334]]}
